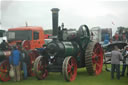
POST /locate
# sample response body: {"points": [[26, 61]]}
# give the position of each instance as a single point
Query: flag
{"points": [[113, 23]]}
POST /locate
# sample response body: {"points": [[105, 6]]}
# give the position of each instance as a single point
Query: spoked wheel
{"points": [[33, 55], [94, 58], [4, 71], [40, 67], [69, 68]]}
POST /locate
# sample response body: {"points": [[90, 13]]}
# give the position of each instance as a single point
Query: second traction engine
{"points": [[70, 49]]}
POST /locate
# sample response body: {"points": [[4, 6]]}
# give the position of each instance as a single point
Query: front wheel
{"points": [[4, 71], [40, 67], [69, 68], [32, 57]]}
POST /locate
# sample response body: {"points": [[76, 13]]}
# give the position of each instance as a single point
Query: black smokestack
{"points": [[55, 21]]}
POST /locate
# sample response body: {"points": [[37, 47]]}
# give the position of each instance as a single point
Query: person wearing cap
{"points": [[116, 56], [125, 54]]}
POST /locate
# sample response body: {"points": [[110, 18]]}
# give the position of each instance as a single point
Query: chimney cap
{"points": [[54, 10]]}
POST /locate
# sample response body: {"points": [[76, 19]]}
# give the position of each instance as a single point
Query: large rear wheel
{"points": [[94, 58], [69, 68]]}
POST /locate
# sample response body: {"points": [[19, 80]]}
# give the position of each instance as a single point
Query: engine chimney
{"points": [[55, 21]]}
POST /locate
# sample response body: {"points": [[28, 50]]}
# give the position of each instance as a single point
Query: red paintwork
{"points": [[42, 67], [33, 55], [30, 44], [72, 72], [97, 59], [4, 69], [46, 36], [33, 43]]}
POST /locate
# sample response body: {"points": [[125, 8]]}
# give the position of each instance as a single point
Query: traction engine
{"points": [[70, 49]]}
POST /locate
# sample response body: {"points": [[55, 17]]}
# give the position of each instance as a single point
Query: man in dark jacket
{"points": [[125, 65], [4, 45], [115, 62], [24, 61], [126, 33]]}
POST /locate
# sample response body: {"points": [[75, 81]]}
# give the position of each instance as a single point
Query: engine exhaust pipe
{"points": [[55, 21]]}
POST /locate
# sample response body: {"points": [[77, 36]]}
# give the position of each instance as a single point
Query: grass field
{"points": [[82, 79]]}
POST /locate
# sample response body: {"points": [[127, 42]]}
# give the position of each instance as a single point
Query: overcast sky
{"points": [[106, 14]]}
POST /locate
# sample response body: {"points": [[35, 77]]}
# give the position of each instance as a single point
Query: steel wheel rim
{"points": [[33, 55], [42, 69], [97, 59]]}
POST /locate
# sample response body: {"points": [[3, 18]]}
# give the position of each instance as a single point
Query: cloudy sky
{"points": [[103, 13]]}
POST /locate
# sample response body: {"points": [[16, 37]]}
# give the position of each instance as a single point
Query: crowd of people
{"points": [[121, 37], [17, 60], [18, 63]]}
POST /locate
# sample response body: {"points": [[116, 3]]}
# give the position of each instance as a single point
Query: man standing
{"points": [[115, 62], [15, 63], [4, 45], [125, 54], [24, 61], [126, 34]]}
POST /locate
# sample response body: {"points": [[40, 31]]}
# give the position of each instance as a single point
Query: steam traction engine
{"points": [[69, 50]]}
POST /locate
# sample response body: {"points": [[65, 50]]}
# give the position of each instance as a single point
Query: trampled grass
{"points": [[82, 79]]}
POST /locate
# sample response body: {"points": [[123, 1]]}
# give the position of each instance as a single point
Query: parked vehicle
{"points": [[69, 50]]}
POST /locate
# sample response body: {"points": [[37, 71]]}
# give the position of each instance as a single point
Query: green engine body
{"points": [[69, 43]]}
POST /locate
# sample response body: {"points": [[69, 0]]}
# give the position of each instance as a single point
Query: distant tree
{"points": [[120, 29], [48, 31]]}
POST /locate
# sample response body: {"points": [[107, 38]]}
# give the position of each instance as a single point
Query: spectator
{"points": [[115, 62], [126, 34], [42, 50], [4, 45], [124, 37], [125, 54], [14, 60], [24, 61], [106, 40], [116, 37]]}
